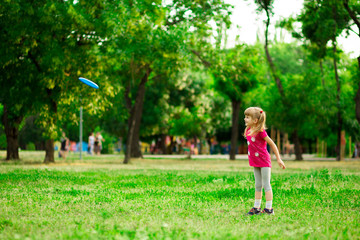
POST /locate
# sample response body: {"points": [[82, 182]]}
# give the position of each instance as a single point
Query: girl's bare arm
{"points": [[276, 151]]}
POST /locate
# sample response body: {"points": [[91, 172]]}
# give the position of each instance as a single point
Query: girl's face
{"points": [[249, 121]]}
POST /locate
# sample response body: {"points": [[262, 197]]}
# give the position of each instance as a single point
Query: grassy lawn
{"points": [[100, 198]]}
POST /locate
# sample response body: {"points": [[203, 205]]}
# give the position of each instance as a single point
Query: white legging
{"points": [[262, 178]]}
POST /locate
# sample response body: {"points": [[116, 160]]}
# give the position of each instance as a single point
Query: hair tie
{"points": [[261, 111]]}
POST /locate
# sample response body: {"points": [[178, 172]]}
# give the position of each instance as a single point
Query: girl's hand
{"points": [[281, 164]]}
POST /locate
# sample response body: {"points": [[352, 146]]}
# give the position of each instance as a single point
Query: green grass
{"points": [[175, 199]]}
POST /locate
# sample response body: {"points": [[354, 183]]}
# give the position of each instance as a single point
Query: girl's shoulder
{"points": [[262, 133]]}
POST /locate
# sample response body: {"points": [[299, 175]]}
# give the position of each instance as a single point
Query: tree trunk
{"points": [[12, 134], [195, 144], [49, 151], [162, 144], [338, 92], [298, 153], [357, 98], [356, 20], [136, 148], [270, 61], [172, 144], [49, 144], [132, 142], [338, 144], [310, 146], [129, 139], [322, 73], [235, 128], [352, 14]]}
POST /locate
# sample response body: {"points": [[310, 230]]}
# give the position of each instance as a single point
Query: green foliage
{"points": [[46, 45], [313, 103], [30, 146], [186, 123], [30, 133], [45, 51], [154, 37], [197, 109], [114, 118], [323, 20], [220, 114], [235, 70]]}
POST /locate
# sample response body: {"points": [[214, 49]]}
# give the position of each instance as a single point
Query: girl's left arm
{"points": [[276, 151]]}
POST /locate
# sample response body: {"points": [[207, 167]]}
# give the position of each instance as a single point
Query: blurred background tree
{"points": [[165, 69]]}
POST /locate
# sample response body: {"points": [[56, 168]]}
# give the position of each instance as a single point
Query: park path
{"points": [[216, 163]]}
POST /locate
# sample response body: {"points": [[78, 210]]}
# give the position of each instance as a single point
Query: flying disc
{"points": [[89, 82]]}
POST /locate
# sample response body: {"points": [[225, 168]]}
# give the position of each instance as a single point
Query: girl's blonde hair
{"points": [[255, 113]]}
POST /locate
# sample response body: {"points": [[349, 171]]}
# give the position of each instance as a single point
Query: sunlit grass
{"points": [[101, 198]]}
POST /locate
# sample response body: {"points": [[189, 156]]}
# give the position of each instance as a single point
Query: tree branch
{"points": [[206, 63], [352, 15], [127, 97], [34, 61]]}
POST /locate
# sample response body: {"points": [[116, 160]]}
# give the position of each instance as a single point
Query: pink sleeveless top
{"points": [[258, 154]]}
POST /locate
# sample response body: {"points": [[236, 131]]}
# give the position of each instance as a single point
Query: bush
{"points": [[108, 148], [30, 146]]}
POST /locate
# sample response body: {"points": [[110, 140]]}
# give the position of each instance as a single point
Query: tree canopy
{"points": [[164, 68]]}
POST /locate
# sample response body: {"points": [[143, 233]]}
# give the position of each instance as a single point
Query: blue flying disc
{"points": [[89, 82]]}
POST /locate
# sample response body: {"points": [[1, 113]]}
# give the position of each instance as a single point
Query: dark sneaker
{"points": [[268, 211], [254, 211]]}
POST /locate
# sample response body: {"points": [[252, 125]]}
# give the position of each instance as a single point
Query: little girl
{"points": [[259, 157]]}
